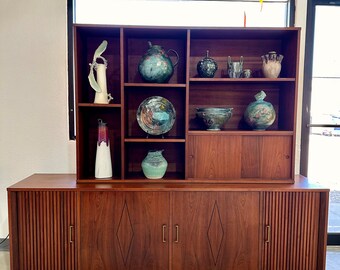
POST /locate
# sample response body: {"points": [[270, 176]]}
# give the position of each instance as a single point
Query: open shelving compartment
{"points": [[137, 142], [236, 154], [87, 38]]}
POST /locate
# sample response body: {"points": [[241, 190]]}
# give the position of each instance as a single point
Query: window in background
{"points": [[324, 136], [182, 13]]}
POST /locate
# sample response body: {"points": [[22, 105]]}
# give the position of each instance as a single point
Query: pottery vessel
{"points": [[247, 73], [271, 64], [156, 66], [102, 97], [154, 165], [207, 67], [214, 118], [260, 114], [235, 68], [103, 165], [100, 86]]}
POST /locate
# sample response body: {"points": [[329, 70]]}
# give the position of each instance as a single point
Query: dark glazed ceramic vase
{"points": [[260, 114], [154, 165], [155, 66], [207, 67]]}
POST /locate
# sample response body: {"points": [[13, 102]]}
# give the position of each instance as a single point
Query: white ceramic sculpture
{"points": [[102, 96]]}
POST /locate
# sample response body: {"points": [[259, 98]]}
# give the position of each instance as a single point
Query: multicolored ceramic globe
{"points": [[260, 114]]}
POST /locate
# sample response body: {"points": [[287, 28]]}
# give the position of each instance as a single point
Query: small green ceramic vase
{"points": [[154, 165], [260, 114]]}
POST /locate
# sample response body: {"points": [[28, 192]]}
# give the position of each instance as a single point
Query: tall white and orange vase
{"points": [[103, 165], [100, 86]]}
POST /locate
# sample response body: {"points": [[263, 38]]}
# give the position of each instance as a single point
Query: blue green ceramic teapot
{"points": [[155, 66]]}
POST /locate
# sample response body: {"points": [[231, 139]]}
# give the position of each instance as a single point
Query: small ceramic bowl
{"points": [[213, 117]]}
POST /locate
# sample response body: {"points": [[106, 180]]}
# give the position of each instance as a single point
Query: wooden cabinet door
{"points": [[239, 157], [42, 224], [267, 157], [215, 230], [124, 230], [292, 236], [214, 157]]}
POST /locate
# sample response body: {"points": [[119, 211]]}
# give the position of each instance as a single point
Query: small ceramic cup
{"points": [[246, 73]]}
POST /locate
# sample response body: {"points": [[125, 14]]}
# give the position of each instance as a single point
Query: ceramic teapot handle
{"points": [[171, 50], [109, 97]]}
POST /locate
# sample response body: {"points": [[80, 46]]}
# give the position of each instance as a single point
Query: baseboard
{"points": [[4, 246]]}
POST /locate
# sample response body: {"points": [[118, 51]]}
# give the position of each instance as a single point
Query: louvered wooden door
{"points": [[43, 227], [291, 230]]}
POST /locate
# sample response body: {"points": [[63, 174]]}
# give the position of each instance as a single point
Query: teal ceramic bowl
{"points": [[214, 118]]}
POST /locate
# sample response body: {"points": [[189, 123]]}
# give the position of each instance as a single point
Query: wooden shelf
{"points": [[243, 80], [93, 105], [159, 140], [242, 132], [173, 85]]}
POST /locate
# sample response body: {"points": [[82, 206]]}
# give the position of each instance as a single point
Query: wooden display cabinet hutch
{"points": [[230, 199]]}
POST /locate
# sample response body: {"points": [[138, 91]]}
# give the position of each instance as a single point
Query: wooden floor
{"points": [[4, 260], [333, 259]]}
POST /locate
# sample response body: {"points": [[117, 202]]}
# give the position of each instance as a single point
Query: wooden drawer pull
{"points": [[163, 232], [71, 234], [177, 233], [268, 230]]}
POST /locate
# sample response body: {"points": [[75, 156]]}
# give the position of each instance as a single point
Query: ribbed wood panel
{"points": [[290, 230], [44, 218], [70, 235]]}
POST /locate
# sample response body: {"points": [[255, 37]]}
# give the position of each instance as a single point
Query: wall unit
{"points": [[58, 224], [229, 199], [244, 155]]}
